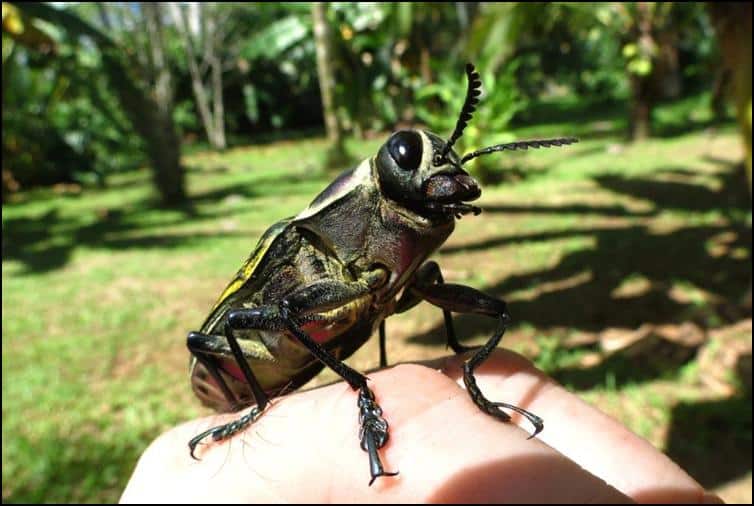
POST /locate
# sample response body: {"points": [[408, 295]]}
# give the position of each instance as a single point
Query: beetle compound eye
{"points": [[406, 149]]}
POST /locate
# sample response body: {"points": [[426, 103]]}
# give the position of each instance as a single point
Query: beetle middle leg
{"points": [[464, 299], [429, 273]]}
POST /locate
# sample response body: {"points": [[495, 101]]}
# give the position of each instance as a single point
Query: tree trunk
{"points": [[732, 21], [669, 79], [325, 72], [212, 115], [642, 85], [216, 67], [640, 120], [155, 126], [164, 145], [424, 65]]}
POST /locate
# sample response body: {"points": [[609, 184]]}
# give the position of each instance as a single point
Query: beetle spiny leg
{"points": [[226, 430], [373, 432], [494, 408]]}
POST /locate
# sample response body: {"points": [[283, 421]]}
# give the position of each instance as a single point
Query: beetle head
{"points": [[422, 172], [413, 171]]}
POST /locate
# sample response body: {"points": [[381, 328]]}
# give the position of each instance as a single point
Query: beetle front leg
{"points": [[464, 299]]}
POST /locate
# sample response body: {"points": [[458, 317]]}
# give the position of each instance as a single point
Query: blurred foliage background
{"points": [[147, 146]]}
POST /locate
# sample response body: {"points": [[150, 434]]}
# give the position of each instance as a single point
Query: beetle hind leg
{"points": [[430, 274], [494, 408], [373, 428], [464, 299], [199, 345]]}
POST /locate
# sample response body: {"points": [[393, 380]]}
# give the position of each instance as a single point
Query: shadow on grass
{"points": [[495, 175], [679, 195], [619, 369], [274, 184], [600, 210], [599, 118], [45, 242], [712, 440], [580, 289], [682, 124], [584, 301]]}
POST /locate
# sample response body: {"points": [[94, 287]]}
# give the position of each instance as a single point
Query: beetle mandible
{"points": [[317, 285]]}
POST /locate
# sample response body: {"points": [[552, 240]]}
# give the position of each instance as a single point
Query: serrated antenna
{"points": [[469, 106], [512, 146]]}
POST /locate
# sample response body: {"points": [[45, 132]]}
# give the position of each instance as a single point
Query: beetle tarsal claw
{"points": [[373, 432], [535, 420]]}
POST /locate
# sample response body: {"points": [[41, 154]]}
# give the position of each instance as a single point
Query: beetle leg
{"points": [[373, 431], [298, 307], [383, 346], [256, 389], [429, 274], [226, 430], [261, 398], [464, 299], [193, 342]]}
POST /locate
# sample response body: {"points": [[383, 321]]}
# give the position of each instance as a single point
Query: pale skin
{"points": [[305, 448]]}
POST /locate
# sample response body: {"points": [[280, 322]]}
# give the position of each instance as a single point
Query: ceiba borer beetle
{"points": [[318, 284]]}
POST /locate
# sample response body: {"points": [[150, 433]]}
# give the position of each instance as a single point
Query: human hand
{"points": [[305, 448]]}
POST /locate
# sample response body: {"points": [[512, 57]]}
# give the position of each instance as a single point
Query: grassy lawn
{"points": [[624, 267]]}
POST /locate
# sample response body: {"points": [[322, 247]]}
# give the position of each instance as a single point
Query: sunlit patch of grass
{"points": [[553, 356]]}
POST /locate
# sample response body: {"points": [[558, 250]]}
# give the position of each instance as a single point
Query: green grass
{"points": [[100, 288]]}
